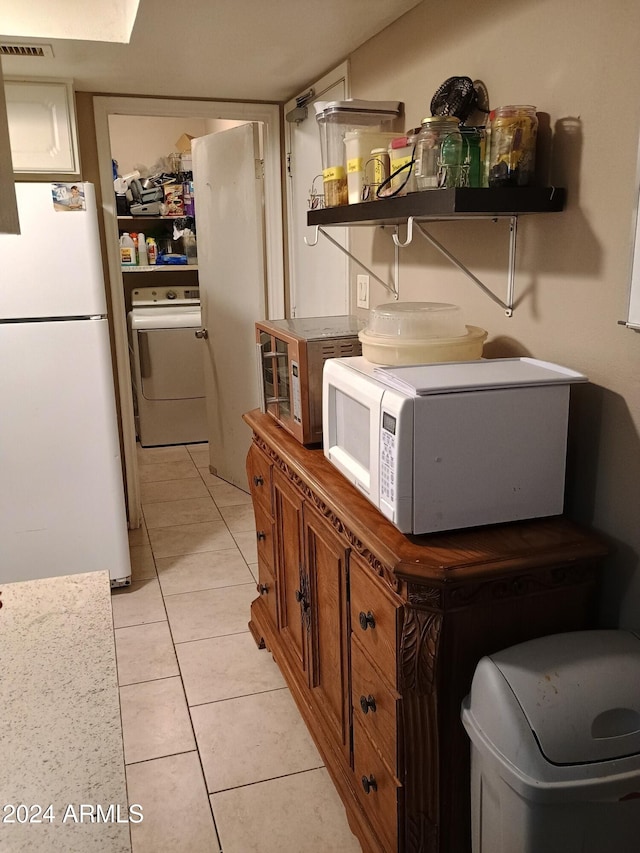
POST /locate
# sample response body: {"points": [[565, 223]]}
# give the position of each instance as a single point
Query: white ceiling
{"points": [[94, 20], [219, 49]]}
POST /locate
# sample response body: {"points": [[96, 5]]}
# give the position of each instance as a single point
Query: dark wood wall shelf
{"points": [[454, 202]]}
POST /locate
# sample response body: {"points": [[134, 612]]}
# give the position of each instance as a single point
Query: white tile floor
{"points": [[215, 750]]}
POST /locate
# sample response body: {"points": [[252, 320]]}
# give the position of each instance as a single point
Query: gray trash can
{"points": [[554, 725]]}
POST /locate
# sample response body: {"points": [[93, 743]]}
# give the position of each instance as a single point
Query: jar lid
{"points": [[441, 120], [515, 108], [379, 151]]}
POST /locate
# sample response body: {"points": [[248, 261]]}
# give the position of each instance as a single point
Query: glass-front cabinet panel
{"points": [[275, 375], [284, 394]]}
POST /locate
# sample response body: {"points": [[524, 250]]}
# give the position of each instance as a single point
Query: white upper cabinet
{"points": [[42, 126]]}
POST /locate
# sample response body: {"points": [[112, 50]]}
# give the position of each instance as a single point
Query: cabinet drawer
{"points": [[375, 706], [374, 619], [264, 537], [267, 590], [378, 790], [259, 473]]}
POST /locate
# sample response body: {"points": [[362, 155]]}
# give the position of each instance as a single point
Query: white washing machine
{"points": [[167, 363]]}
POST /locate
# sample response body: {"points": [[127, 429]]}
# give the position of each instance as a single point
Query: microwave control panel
{"points": [[295, 392], [388, 457]]}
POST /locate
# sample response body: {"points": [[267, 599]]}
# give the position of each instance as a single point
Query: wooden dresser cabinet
{"points": [[378, 633]]}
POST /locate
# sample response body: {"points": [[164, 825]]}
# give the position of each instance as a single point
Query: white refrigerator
{"points": [[62, 505]]}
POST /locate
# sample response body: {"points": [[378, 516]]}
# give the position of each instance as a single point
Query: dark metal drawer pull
{"points": [[263, 588], [261, 535], [258, 481], [368, 703], [369, 784], [367, 620]]}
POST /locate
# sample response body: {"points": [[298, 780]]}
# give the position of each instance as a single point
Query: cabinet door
{"points": [[326, 563], [42, 126], [291, 579]]}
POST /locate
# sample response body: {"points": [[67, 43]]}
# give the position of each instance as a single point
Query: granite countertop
{"points": [[60, 731]]}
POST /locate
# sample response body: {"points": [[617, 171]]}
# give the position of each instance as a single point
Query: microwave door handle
{"points": [[259, 367]]}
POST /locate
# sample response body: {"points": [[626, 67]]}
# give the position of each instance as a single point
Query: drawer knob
{"points": [[369, 784], [258, 481], [367, 620], [263, 588], [368, 703], [260, 535]]}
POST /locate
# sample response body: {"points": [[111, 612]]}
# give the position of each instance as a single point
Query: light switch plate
{"points": [[362, 291]]}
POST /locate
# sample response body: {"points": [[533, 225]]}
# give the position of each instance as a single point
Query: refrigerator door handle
{"points": [[145, 359]]}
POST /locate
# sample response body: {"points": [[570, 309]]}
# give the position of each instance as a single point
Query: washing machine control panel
{"points": [[149, 296]]}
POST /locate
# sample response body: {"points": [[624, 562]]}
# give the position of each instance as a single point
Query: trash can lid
{"points": [[579, 693]]}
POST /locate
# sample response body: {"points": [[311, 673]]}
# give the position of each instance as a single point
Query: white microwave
{"points": [[453, 445]]}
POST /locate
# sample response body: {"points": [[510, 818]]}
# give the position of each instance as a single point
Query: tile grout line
{"points": [[174, 644], [195, 739]]}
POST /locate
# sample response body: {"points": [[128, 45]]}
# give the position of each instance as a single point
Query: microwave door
{"points": [[351, 412]]}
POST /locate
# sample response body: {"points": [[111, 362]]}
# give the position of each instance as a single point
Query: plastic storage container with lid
{"points": [[335, 118], [440, 160], [555, 745], [420, 333], [359, 145]]}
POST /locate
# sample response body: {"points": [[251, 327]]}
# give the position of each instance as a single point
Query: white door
{"points": [[319, 275], [228, 184]]}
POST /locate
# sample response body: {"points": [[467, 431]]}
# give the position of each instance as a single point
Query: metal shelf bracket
{"points": [[390, 288], [511, 269], [401, 244]]}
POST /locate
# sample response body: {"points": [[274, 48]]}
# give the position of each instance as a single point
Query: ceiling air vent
{"points": [[34, 50]]}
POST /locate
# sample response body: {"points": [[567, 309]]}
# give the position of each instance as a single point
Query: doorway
{"points": [[211, 116]]}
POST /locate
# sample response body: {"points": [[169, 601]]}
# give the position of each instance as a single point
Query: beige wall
{"points": [[142, 142], [573, 60]]}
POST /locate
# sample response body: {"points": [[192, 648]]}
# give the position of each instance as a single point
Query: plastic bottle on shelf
{"points": [[127, 251], [152, 251], [143, 257]]}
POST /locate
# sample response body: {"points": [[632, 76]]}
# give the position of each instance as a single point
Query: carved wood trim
{"points": [[520, 585], [425, 596], [421, 774], [375, 564], [419, 650], [422, 835]]}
